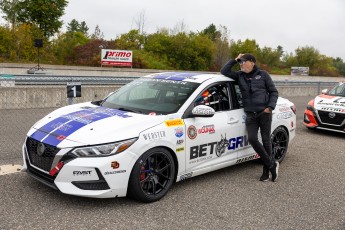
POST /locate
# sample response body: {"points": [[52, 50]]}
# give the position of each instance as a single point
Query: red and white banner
{"points": [[116, 57]]}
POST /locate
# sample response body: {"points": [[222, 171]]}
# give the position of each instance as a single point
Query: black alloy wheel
{"points": [[280, 141], [152, 176]]}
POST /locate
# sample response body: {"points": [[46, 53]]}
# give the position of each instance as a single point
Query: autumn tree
{"points": [[6, 44], [90, 53]]}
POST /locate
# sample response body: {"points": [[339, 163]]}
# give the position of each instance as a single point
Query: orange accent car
{"points": [[327, 110]]}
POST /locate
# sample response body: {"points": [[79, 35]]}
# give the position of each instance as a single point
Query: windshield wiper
{"points": [[128, 110]]}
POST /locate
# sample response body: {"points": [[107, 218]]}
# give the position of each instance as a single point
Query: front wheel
{"points": [[152, 176], [280, 141]]}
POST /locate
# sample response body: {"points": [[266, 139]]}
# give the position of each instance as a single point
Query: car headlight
{"points": [[103, 150], [310, 105]]}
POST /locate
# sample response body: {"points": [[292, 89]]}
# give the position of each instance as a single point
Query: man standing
{"points": [[259, 96]]}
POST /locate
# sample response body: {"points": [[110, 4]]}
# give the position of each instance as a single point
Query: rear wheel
{"points": [[280, 141], [152, 176]]}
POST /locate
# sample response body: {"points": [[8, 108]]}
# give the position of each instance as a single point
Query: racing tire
{"points": [[152, 176], [280, 142]]}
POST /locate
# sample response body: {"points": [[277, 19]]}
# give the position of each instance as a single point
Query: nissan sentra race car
{"points": [[327, 111], [152, 132]]}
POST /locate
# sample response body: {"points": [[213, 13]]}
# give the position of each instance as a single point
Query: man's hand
{"points": [[239, 56], [268, 110]]}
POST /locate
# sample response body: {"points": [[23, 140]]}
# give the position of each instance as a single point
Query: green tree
{"points": [[132, 40], [307, 56], [222, 46], [280, 51], [211, 32], [339, 65], [43, 13], [247, 46], [6, 44], [83, 28], [190, 52], [158, 44], [269, 57], [10, 10], [64, 47], [75, 26]]}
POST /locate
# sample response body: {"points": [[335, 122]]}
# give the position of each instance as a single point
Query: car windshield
{"points": [[338, 90], [151, 96]]}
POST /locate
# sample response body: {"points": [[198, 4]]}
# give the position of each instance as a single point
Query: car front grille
{"points": [[42, 160], [325, 118], [41, 176]]}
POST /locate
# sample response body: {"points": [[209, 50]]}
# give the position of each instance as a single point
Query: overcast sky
{"points": [[288, 23]]}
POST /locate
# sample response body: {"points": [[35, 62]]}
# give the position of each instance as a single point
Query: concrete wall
{"points": [[48, 96], [20, 97]]}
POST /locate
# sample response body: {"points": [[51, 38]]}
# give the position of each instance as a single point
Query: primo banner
{"points": [[116, 57]]}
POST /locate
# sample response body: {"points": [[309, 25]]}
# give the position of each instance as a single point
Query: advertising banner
{"points": [[116, 57], [303, 71]]}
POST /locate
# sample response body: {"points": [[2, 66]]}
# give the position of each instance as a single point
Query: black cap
{"points": [[247, 57]]}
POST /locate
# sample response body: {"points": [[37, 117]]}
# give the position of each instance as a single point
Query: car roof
{"points": [[188, 76]]}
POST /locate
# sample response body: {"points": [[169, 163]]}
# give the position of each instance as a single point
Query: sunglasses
{"points": [[241, 62]]}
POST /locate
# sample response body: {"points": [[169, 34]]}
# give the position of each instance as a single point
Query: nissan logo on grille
{"points": [[331, 115], [40, 149]]}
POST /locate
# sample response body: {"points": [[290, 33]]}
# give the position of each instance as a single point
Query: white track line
{"points": [[8, 169]]}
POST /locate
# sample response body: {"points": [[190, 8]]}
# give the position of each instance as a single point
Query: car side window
{"points": [[238, 96], [215, 96]]}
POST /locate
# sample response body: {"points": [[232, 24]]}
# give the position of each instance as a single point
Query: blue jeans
{"points": [[262, 121]]}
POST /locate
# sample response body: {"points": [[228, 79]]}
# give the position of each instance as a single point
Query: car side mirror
{"points": [[97, 102], [203, 111], [324, 91]]}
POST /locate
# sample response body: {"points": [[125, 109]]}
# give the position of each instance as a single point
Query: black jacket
{"points": [[257, 88]]}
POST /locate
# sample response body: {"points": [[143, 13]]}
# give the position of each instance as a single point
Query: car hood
{"points": [[330, 103], [87, 124]]}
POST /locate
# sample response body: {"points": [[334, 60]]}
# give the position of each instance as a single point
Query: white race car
{"points": [[152, 132], [327, 111]]}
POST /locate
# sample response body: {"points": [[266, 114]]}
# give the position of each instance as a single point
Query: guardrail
{"points": [[118, 80], [62, 80]]}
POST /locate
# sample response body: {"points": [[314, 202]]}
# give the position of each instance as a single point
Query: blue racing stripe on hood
{"points": [[175, 76], [60, 128]]}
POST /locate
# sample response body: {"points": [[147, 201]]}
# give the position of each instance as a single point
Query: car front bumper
{"points": [[312, 119], [97, 177]]}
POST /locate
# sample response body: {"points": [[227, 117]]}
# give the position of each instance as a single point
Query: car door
{"points": [[213, 142]]}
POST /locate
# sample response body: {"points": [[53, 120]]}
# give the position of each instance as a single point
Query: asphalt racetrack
{"points": [[309, 194]]}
